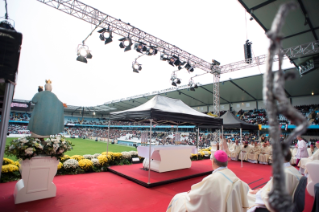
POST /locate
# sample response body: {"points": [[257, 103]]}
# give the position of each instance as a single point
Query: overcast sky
{"points": [[206, 28]]}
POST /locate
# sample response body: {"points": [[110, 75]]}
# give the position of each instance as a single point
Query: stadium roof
{"points": [[231, 91], [301, 25]]}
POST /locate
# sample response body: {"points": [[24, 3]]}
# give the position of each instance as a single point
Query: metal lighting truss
{"points": [[289, 53], [95, 17]]}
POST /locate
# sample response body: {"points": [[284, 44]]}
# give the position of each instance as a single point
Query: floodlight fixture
{"points": [[215, 62], [102, 35], [175, 80], [151, 51], [192, 85], [140, 47], [126, 43], [137, 67], [164, 57], [83, 53], [174, 61]]}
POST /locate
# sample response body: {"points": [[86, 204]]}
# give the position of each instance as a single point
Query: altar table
{"points": [[167, 158]]}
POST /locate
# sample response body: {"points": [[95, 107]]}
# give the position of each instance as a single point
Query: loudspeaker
{"points": [[247, 50], [10, 43]]}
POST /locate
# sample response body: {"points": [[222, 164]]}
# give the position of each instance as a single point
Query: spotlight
{"points": [[174, 61], [215, 62], [164, 57], [189, 67], [192, 85], [136, 67], [126, 43], [151, 51], [140, 47], [175, 80], [102, 35], [83, 53]]}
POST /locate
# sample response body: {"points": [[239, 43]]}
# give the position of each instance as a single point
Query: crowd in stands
{"points": [[15, 116], [18, 129], [250, 116]]}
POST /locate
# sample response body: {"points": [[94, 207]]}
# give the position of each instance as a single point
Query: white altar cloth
{"points": [[167, 158]]}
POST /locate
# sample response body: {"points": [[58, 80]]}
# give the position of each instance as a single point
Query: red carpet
{"points": [[109, 192]]}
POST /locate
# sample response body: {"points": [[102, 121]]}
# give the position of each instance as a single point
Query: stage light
{"points": [[192, 85], [312, 93], [136, 67], [93, 113], [151, 51], [215, 62], [189, 67], [83, 53], [126, 43], [102, 35], [175, 80], [164, 57], [140, 47]]}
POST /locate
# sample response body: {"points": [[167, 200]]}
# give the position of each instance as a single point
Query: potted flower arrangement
{"points": [[38, 165]]}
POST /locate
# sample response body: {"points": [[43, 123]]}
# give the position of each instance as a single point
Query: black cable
{"points": [[6, 15]]}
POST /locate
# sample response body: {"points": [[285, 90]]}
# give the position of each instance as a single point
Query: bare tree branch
{"points": [[276, 102]]}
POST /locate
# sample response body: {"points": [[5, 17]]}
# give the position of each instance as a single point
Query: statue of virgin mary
{"points": [[48, 114]]}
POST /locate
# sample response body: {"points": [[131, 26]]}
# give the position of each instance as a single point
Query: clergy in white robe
{"points": [[293, 157], [302, 149], [243, 154], [264, 154], [270, 154], [259, 198], [222, 191], [254, 153], [234, 151], [304, 161]]}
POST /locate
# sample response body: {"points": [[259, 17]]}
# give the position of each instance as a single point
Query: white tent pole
{"points": [[197, 137], [176, 134], [149, 153], [108, 139], [241, 147]]}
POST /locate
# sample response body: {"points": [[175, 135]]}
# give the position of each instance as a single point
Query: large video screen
{"points": [[20, 106]]}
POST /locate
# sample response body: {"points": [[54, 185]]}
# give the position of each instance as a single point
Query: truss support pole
{"points": [[216, 94], [108, 139], [149, 154], [241, 146], [5, 118]]}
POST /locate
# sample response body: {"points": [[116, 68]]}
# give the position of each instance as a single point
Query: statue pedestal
{"points": [[37, 176]]}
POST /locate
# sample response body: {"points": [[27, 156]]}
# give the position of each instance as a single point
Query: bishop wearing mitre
{"points": [[259, 198], [304, 161], [219, 192], [48, 114]]}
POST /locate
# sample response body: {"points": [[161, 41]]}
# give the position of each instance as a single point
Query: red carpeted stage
{"points": [[137, 174], [108, 192]]}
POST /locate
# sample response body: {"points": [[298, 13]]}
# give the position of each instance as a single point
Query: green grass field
{"points": [[85, 146]]}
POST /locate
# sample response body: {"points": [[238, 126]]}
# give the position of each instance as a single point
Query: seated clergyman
{"points": [[234, 150], [243, 155], [219, 192], [254, 153], [259, 198], [304, 161]]}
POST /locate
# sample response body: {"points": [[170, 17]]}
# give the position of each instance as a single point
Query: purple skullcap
{"points": [[221, 156]]}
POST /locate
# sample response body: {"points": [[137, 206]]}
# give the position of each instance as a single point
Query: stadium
{"points": [[111, 143]]}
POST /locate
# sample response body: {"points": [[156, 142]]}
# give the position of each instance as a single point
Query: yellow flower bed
{"points": [[60, 165], [201, 153], [85, 164], [193, 155], [9, 168], [7, 161], [109, 153], [17, 163], [103, 159], [117, 156], [77, 157], [64, 158]]}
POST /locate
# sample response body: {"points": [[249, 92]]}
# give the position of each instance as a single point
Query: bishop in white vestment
{"points": [[259, 198], [234, 151], [304, 161], [222, 191], [243, 155]]}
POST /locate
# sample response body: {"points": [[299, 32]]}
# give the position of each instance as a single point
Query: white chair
{"points": [[313, 176]]}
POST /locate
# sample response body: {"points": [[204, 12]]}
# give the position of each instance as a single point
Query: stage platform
{"points": [[137, 174]]}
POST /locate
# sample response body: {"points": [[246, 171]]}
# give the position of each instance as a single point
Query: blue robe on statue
{"points": [[48, 114]]}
